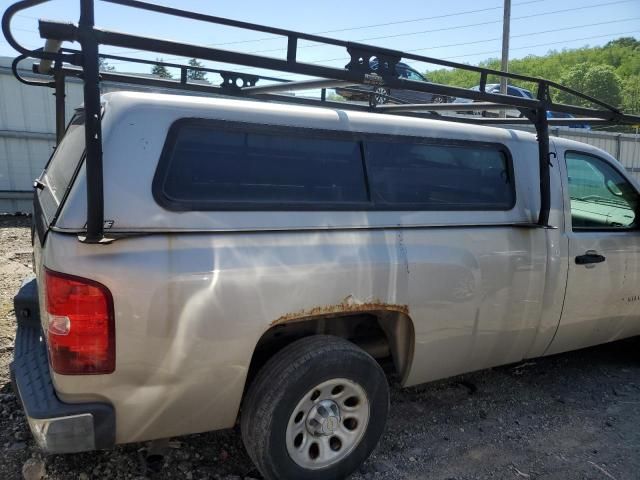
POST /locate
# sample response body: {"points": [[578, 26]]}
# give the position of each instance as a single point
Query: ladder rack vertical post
{"points": [[542, 131], [59, 93], [292, 48], [93, 130]]}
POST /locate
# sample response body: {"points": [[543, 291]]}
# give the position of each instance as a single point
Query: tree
{"points": [[623, 55], [160, 70], [598, 81], [631, 95], [624, 42], [196, 74], [104, 66]]}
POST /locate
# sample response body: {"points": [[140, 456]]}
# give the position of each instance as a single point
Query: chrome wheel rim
{"points": [[328, 422], [380, 95]]}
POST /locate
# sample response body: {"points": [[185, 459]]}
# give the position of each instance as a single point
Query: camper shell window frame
{"points": [[362, 138]]}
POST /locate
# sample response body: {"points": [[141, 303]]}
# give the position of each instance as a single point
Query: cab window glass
{"points": [[601, 198]]}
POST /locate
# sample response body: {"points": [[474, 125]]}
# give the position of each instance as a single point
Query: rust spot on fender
{"points": [[348, 305]]}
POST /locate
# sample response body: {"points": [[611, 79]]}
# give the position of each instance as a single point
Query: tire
{"points": [[283, 417]]}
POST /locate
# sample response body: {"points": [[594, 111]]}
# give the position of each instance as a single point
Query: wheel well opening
{"points": [[385, 335]]}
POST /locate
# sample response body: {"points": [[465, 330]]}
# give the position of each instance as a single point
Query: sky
{"points": [[465, 31]]}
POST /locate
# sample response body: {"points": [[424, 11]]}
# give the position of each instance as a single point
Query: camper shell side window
{"points": [[217, 165]]}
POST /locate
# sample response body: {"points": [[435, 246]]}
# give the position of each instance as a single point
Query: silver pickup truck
{"points": [[262, 259]]}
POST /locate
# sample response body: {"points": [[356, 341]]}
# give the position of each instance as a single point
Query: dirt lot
{"points": [[572, 416]]}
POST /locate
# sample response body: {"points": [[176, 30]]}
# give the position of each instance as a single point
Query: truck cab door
{"points": [[602, 301]]}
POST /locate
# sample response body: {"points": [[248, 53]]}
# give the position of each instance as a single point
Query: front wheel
{"points": [[316, 410]]}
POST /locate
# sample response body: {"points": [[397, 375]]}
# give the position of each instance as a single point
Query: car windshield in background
{"points": [[403, 71]]}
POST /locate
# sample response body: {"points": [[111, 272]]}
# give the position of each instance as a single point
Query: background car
{"points": [[583, 126], [495, 88], [382, 94], [511, 112]]}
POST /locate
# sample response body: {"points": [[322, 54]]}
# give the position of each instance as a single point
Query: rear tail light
{"points": [[81, 329]]}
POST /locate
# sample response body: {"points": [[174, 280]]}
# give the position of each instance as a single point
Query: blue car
{"points": [[583, 126]]}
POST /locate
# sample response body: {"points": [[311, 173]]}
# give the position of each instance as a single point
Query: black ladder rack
{"points": [[358, 72]]}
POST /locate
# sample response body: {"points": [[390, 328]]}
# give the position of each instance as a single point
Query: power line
{"points": [[384, 37], [347, 29], [493, 39], [386, 24], [475, 42], [409, 33], [551, 43], [458, 27], [486, 40], [496, 21], [526, 34], [491, 52], [447, 29], [362, 27]]}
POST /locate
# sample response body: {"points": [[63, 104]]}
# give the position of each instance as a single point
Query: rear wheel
{"points": [[379, 96], [316, 410]]}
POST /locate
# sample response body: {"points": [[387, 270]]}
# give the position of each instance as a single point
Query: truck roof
{"points": [[320, 117]]}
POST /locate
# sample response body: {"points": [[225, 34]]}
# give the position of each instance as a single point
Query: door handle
{"points": [[591, 256]]}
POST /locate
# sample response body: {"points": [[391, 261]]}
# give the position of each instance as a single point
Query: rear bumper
{"points": [[57, 427]]}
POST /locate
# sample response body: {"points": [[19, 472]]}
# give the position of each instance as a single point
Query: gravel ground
{"points": [[571, 416]]}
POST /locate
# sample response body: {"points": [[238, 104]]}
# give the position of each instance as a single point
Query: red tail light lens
{"points": [[81, 329]]}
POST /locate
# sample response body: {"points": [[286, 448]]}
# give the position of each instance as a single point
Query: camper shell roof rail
{"points": [[84, 63]]}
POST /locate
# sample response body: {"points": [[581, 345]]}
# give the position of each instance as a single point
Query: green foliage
{"points": [[598, 81], [631, 94], [624, 42], [334, 97], [621, 56], [196, 74], [457, 78], [160, 70]]}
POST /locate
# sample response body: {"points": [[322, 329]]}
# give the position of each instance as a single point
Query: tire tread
{"points": [[269, 386]]}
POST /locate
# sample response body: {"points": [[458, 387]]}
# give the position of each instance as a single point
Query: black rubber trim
{"points": [[32, 384], [26, 304], [40, 223]]}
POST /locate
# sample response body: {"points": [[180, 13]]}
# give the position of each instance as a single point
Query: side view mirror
{"points": [[613, 188]]}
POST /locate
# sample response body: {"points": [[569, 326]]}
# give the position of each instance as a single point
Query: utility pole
{"points": [[506, 23]]}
